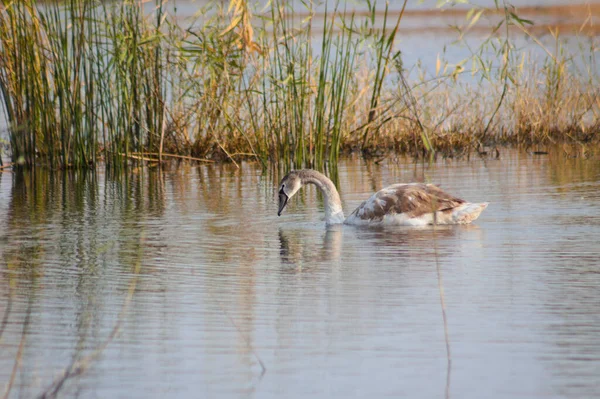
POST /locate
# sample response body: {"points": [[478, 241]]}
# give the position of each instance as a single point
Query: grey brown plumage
{"points": [[413, 200], [414, 204]]}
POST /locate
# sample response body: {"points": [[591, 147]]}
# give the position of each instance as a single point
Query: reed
{"points": [[304, 91], [87, 81], [78, 79]]}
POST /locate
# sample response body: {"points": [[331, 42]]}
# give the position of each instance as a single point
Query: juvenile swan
{"points": [[414, 204]]}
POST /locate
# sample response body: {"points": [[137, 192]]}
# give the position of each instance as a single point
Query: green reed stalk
{"points": [[86, 81], [74, 72], [305, 99], [320, 115], [341, 80], [384, 46]]}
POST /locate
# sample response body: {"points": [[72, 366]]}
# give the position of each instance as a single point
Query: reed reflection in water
{"points": [[184, 282]]}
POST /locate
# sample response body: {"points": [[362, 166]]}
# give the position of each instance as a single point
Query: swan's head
{"points": [[289, 185]]}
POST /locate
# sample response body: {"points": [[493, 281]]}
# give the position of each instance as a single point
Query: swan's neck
{"points": [[333, 205]]}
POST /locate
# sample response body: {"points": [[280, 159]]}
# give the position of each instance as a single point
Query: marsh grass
{"points": [[304, 97], [84, 81], [78, 79]]}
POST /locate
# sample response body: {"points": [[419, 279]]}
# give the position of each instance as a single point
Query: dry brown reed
{"points": [[108, 83]]}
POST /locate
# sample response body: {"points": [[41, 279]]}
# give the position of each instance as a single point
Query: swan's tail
{"points": [[468, 212]]}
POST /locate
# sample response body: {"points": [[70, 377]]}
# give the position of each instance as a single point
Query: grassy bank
{"points": [[84, 82]]}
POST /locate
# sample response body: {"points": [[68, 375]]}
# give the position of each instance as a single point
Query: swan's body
{"points": [[414, 204]]}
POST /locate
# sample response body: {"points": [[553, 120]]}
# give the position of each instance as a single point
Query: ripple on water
{"points": [[206, 283]]}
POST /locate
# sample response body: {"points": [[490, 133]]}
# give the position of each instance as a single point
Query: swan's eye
{"points": [[281, 189]]}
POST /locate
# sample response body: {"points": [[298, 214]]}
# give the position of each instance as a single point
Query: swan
{"points": [[413, 204]]}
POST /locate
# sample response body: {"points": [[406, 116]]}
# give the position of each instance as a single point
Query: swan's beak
{"points": [[283, 199]]}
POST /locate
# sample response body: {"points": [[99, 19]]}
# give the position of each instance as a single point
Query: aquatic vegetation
{"points": [[86, 81], [80, 80]]}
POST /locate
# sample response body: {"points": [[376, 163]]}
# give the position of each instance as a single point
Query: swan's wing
{"points": [[412, 200]]}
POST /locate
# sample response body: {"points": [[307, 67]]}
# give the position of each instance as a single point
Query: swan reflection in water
{"points": [[406, 257], [302, 249], [306, 249]]}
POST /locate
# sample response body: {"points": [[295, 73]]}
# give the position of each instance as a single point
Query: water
{"points": [[428, 31], [185, 283]]}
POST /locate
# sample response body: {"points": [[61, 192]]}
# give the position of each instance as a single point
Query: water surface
{"points": [[184, 282]]}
